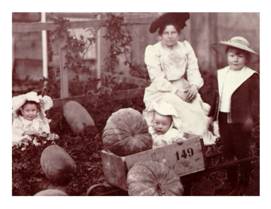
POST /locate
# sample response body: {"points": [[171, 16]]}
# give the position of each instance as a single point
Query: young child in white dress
{"points": [[29, 117], [162, 129]]}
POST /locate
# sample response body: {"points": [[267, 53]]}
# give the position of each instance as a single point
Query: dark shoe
{"points": [[224, 189], [238, 191], [235, 191], [243, 189]]}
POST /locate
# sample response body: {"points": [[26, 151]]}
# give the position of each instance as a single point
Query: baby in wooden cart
{"points": [[162, 128]]}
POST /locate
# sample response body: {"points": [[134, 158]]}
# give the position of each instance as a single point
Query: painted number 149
{"points": [[185, 153]]}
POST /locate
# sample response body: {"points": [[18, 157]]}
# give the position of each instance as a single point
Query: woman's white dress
{"points": [[172, 69]]}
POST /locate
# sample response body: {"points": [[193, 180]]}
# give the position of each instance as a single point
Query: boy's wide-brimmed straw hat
{"points": [[237, 42], [178, 19], [45, 102]]}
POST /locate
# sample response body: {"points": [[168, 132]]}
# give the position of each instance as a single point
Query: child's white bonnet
{"points": [[45, 102]]}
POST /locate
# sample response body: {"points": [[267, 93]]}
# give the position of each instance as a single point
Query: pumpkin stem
{"points": [[159, 190]]}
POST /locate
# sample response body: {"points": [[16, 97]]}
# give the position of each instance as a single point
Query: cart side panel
{"points": [[114, 169], [185, 158]]}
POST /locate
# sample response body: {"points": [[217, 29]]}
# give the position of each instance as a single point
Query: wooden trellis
{"points": [[38, 27], [96, 24]]}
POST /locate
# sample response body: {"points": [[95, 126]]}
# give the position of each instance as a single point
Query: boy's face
{"points": [[236, 58], [29, 111], [161, 123]]}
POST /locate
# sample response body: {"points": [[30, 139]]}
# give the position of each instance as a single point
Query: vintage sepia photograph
{"points": [[135, 103]]}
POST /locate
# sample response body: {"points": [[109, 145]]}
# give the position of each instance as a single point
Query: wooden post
{"points": [[63, 71], [44, 48], [98, 54], [64, 79], [213, 39]]}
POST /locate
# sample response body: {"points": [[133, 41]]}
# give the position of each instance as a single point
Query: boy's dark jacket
{"points": [[244, 102]]}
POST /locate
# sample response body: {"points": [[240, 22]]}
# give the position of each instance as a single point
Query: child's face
{"points": [[236, 58], [29, 111], [161, 123]]}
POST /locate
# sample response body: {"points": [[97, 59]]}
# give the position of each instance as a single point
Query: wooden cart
{"points": [[186, 158]]}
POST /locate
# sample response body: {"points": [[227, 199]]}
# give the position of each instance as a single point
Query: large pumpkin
{"points": [[77, 116], [153, 178], [57, 165], [51, 192], [126, 132]]}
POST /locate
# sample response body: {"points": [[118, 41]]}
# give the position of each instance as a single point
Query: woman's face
{"points": [[236, 58], [170, 36]]}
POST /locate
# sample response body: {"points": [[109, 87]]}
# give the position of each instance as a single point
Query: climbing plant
{"points": [[119, 37], [75, 48]]}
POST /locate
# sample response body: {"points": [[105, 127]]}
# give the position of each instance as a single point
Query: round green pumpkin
{"points": [[51, 192], [153, 178], [126, 132], [57, 165], [77, 117]]}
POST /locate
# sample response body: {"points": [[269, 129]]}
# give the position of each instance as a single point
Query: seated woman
{"points": [[175, 77]]}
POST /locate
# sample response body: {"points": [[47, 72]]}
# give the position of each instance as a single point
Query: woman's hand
{"points": [[191, 93], [181, 94]]}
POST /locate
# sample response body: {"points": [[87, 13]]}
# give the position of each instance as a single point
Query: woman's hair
{"points": [[28, 102], [247, 54], [162, 28]]}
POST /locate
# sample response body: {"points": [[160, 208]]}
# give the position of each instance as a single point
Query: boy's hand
{"points": [[210, 121]]}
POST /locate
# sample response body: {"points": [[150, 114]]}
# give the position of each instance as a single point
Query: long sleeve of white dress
{"points": [[192, 71], [168, 65], [17, 131], [156, 74]]}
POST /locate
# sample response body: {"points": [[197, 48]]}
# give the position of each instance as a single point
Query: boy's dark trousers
{"points": [[236, 142]]}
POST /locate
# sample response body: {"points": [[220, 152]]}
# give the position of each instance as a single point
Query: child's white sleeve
{"points": [[45, 126], [17, 131], [193, 73]]}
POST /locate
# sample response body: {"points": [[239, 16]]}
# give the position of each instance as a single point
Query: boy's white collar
{"points": [[246, 73]]}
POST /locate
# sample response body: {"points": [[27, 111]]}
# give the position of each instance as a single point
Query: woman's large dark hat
{"points": [[177, 19]]}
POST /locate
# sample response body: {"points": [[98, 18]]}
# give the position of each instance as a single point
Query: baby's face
{"points": [[161, 123], [29, 111]]}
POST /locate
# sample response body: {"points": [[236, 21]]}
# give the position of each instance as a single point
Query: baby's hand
{"points": [[25, 141], [53, 136], [29, 133], [180, 140]]}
